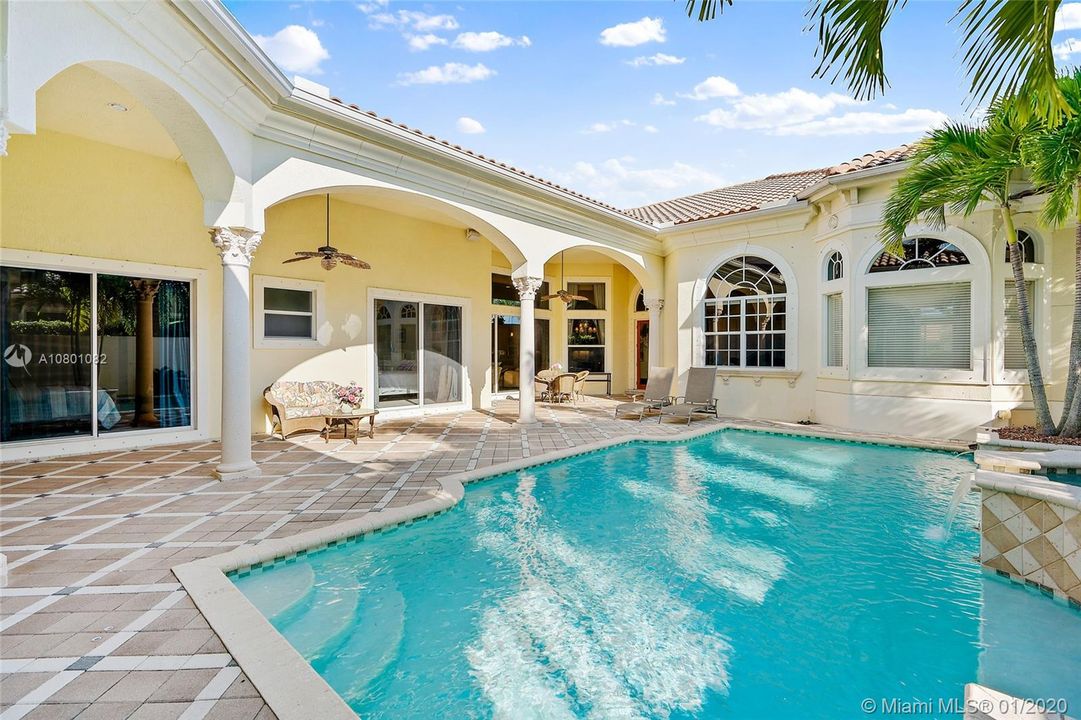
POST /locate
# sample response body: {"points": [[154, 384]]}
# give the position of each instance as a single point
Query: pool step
{"points": [[276, 593], [374, 641], [323, 625]]}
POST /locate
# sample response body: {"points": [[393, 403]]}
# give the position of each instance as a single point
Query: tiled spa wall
{"points": [[1035, 541]]}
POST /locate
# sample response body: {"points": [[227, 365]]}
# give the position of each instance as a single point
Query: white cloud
{"points": [[630, 34], [1067, 48], [425, 41], [621, 182], [910, 122], [372, 6], [412, 19], [713, 87], [658, 59], [769, 112], [295, 48], [488, 41], [318, 23], [606, 127], [1068, 17], [469, 126], [659, 99], [447, 74], [650, 128]]}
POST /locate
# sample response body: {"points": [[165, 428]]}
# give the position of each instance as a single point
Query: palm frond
{"points": [[1007, 51], [1055, 156], [850, 42], [707, 9]]}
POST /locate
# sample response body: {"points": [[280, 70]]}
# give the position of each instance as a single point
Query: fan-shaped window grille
{"points": [[835, 266], [382, 313], [745, 322], [920, 253], [409, 310], [1027, 245]]}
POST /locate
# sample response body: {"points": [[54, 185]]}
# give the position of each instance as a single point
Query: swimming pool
{"points": [[737, 575]]}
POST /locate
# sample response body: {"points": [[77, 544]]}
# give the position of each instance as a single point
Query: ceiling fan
{"points": [[563, 294], [329, 255]]}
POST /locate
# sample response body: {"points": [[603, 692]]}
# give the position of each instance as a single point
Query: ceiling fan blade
{"points": [[354, 262], [298, 259], [576, 297]]}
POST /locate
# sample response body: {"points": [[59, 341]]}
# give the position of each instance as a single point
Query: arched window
{"points": [[920, 253], [640, 302], [382, 313], [1027, 245], [409, 310], [745, 321], [835, 266], [923, 320]]}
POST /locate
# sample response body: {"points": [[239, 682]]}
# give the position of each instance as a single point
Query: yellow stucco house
{"points": [[156, 170]]}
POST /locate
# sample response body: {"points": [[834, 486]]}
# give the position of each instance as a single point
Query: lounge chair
{"points": [[654, 397], [698, 400]]}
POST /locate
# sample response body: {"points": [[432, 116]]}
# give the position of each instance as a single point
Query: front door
{"points": [[641, 352]]}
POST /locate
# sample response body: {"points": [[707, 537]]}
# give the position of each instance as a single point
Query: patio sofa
{"points": [[296, 406]]}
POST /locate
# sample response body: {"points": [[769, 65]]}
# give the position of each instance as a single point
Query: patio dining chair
{"points": [[580, 385], [562, 388], [654, 397], [698, 398], [542, 383]]}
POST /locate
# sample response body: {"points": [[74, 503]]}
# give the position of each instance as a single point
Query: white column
{"points": [[236, 247], [656, 354], [527, 292]]}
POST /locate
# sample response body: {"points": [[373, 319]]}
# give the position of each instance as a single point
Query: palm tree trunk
{"points": [[1028, 339], [1071, 408]]}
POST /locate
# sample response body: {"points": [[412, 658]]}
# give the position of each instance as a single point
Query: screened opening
{"points": [[745, 321], [920, 326], [920, 254]]}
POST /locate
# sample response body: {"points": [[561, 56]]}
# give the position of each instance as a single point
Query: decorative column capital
{"points": [[654, 304], [235, 245], [527, 287], [146, 289]]}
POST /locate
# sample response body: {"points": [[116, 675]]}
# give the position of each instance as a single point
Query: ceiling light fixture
{"points": [[117, 107]]}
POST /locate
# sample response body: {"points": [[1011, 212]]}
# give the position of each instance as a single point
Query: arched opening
{"points": [[746, 314], [107, 262]]}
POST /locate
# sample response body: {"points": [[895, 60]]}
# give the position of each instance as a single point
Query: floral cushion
{"points": [[305, 399]]}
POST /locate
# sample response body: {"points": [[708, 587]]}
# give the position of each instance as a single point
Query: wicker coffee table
{"points": [[347, 421]]}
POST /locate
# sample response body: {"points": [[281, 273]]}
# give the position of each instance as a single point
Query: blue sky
{"points": [[629, 102]]}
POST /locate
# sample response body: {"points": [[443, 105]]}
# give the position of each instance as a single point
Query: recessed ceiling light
{"points": [[118, 107]]}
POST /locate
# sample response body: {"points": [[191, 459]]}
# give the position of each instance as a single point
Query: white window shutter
{"points": [[835, 332], [1013, 350], [920, 326]]}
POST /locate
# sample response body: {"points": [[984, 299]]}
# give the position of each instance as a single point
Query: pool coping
{"points": [[287, 682]]}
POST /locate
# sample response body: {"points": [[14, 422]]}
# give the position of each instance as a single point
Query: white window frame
{"points": [[827, 288], [976, 274], [466, 403], [698, 337], [136, 437], [1037, 273], [605, 315], [318, 291]]}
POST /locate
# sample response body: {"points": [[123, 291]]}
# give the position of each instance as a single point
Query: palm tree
{"points": [[961, 167], [1006, 46], [1055, 157]]}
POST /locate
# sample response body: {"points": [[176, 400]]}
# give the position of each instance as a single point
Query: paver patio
{"points": [[93, 623]]}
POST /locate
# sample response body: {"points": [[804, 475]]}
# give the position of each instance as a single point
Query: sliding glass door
{"points": [[418, 353], [89, 353], [505, 350]]}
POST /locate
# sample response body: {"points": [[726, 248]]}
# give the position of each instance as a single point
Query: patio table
{"points": [[347, 421]]}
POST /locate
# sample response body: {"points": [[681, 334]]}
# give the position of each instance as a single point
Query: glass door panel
{"points": [[506, 354], [45, 333], [442, 353], [144, 343], [397, 342]]}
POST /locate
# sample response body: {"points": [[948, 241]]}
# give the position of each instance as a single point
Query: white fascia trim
{"points": [[675, 237]]}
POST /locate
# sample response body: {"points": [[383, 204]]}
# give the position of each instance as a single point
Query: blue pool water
{"points": [[738, 575]]}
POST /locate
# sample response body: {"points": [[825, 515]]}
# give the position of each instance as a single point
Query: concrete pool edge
{"points": [[287, 682]]}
